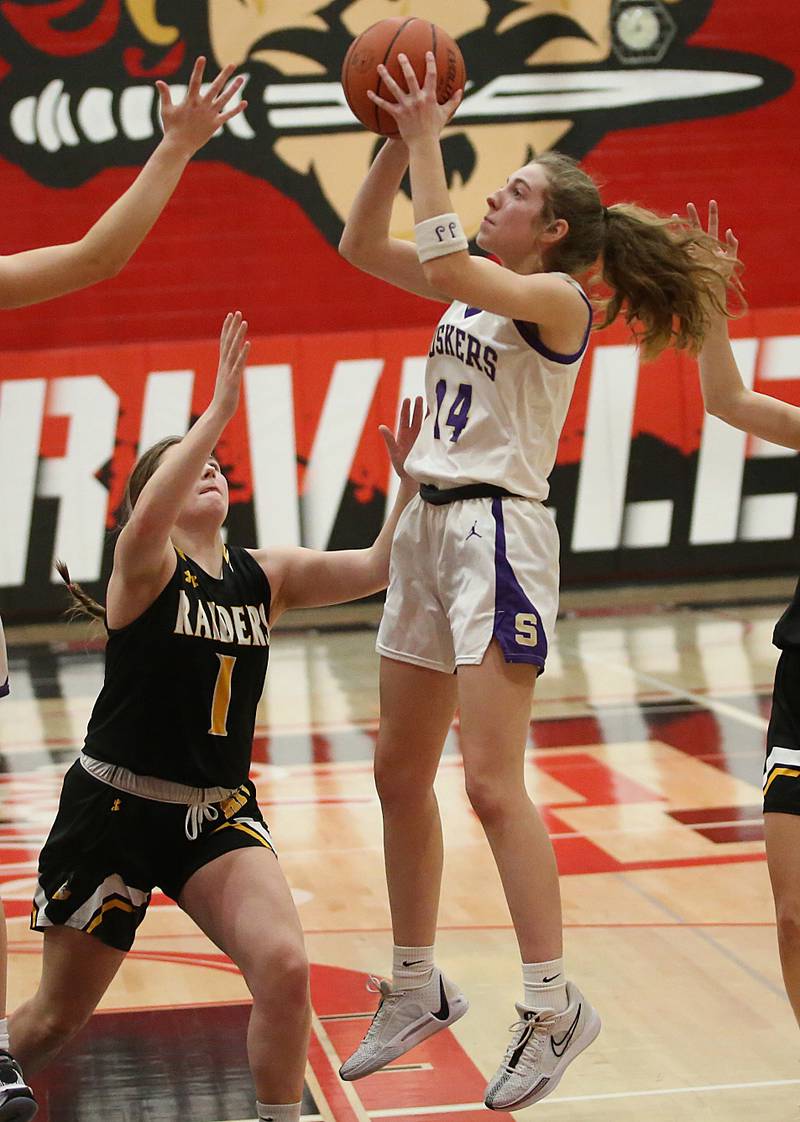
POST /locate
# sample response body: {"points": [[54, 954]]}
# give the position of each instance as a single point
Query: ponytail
{"points": [[660, 270], [660, 285], [82, 603]]}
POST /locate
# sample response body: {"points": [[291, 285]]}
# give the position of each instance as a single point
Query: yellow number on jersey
{"points": [[526, 627], [222, 696]]}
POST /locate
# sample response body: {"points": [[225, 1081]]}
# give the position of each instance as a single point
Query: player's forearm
{"points": [[727, 397], [172, 483], [428, 181], [42, 274], [118, 233], [720, 379], [370, 216]]}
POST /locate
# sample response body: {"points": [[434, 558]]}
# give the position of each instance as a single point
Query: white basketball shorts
{"points": [[465, 573]]}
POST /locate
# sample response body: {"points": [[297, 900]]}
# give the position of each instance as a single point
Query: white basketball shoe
{"points": [[17, 1103], [543, 1044], [404, 1018]]}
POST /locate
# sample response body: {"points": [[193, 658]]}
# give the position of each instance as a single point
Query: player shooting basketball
{"points": [[472, 603]]}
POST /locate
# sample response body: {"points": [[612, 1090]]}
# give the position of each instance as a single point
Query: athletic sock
{"points": [[412, 967], [545, 985], [278, 1112], [3, 1034]]}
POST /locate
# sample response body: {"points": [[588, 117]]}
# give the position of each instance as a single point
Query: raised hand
{"points": [[725, 256], [399, 444], [195, 120], [233, 351], [416, 109]]}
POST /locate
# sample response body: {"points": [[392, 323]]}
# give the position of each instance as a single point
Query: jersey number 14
{"points": [[459, 411]]}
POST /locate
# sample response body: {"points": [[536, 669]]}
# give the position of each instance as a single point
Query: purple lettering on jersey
{"points": [[441, 390], [517, 625], [490, 362], [474, 353], [449, 328], [459, 411], [460, 336]]}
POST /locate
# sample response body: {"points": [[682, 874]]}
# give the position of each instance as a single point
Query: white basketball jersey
{"points": [[497, 399]]}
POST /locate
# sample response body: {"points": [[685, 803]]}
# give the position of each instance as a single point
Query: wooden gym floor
{"points": [[645, 756]]}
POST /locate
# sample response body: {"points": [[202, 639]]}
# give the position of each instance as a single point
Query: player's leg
{"points": [[782, 816], [16, 1097], [555, 1022], [77, 969], [782, 834], [495, 701], [242, 902], [417, 707], [91, 895]]}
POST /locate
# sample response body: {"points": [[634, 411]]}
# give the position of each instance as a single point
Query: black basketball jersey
{"points": [[182, 682], [787, 629]]}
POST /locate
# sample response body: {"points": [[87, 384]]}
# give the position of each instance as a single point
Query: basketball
{"points": [[383, 42]]}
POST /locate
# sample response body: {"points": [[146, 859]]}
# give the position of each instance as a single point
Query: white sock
{"points": [[412, 967], [545, 985], [3, 1034], [279, 1112]]}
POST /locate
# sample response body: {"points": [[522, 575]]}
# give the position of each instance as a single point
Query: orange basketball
{"points": [[382, 43]]}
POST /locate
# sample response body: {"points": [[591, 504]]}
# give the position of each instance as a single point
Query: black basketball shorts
{"points": [[782, 767], [108, 850]]}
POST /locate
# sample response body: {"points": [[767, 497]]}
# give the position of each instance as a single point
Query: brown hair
{"points": [[144, 468], [654, 266]]}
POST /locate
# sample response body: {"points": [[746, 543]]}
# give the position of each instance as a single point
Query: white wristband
{"points": [[436, 237]]}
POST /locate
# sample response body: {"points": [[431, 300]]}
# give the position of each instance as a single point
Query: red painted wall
{"points": [[230, 239]]}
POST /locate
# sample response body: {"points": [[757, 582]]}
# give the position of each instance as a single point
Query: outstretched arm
{"points": [[309, 578], [366, 242], [539, 298], [724, 393], [143, 556], [35, 275]]}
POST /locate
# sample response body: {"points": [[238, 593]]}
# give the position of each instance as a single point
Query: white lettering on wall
{"points": [[21, 413], [92, 407]]}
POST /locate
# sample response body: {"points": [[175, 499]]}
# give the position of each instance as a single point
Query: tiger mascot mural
{"points": [[76, 85]]}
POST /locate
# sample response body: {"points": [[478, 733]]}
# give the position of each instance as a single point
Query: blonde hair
{"points": [[657, 268], [82, 603]]}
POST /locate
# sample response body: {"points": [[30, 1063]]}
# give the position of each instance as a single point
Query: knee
{"points": [[53, 1026], [788, 920], [489, 798], [399, 784], [282, 976]]}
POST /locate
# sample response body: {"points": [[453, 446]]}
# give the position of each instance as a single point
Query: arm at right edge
{"points": [[726, 396]]}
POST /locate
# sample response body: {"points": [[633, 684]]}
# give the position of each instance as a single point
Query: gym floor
{"points": [[645, 756]]}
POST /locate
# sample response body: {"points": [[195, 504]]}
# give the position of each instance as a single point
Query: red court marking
{"points": [[452, 1078], [708, 815], [575, 853], [329, 1082], [751, 831], [595, 780]]}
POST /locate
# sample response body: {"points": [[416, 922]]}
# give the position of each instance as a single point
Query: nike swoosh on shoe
{"points": [[444, 1008], [563, 1043]]}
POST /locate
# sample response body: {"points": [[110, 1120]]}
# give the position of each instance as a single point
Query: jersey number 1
{"points": [[222, 696]]}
